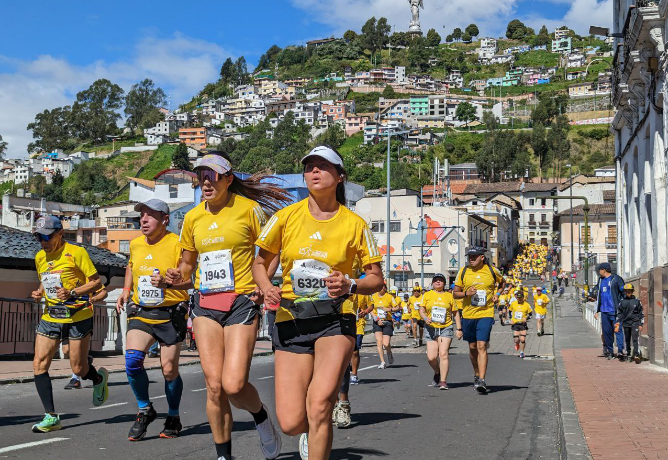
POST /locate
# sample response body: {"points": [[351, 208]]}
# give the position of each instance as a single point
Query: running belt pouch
{"points": [[155, 313], [64, 312], [306, 309], [220, 301]]}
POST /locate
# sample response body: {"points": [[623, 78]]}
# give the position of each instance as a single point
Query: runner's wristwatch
{"points": [[353, 287]]}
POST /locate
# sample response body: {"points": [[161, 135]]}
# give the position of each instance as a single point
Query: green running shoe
{"points": [[48, 423], [101, 390]]}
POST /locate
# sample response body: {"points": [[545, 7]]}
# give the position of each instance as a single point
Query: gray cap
{"points": [[46, 225], [155, 204]]}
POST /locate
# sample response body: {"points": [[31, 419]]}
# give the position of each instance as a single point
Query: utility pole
{"points": [[571, 205]]}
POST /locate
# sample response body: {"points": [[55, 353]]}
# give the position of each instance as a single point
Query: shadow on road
{"points": [[372, 418], [352, 453], [203, 428], [21, 419], [400, 366], [366, 381]]}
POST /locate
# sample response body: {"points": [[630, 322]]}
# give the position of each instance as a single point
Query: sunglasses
{"points": [[39, 237], [208, 174]]}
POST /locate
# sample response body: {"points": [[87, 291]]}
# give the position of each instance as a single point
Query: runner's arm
{"points": [[94, 284], [38, 293], [181, 277], [261, 266]]}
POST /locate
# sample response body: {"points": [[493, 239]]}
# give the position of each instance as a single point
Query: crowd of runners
{"points": [[214, 278]]}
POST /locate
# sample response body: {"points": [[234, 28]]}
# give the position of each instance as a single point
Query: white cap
{"points": [[325, 152]]}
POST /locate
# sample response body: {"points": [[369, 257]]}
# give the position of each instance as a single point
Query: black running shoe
{"points": [[144, 418], [73, 384], [476, 382], [172, 427], [435, 380], [482, 387]]}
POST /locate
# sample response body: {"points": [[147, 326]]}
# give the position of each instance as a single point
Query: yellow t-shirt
{"points": [[405, 310], [540, 304], [440, 308], [519, 312], [382, 306], [362, 304], [335, 242], [504, 300], [485, 285], [144, 258], [69, 267], [414, 303], [233, 229]]}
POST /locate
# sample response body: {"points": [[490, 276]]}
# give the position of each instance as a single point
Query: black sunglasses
{"points": [[208, 174]]}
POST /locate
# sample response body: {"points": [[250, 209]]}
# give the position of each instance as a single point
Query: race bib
{"points": [[480, 298], [519, 315], [308, 278], [405, 310], [438, 315], [416, 306], [51, 282], [148, 294], [216, 273], [502, 301], [539, 302], [382, 314]]}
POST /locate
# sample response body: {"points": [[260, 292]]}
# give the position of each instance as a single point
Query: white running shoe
{"points": [[270, 438], [343, 419], [382, 366], [303, 446]]}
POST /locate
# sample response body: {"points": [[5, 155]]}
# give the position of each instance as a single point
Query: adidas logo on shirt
{"points": [[149, 257], [316, 236], [213, 226]]}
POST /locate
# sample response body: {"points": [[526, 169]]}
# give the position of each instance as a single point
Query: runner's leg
{"points": [[239, 344], [45, 348], [432, 356], [379, 345], [293, 373], [473, 355], [444, 356], [169, 360], [482, 358], [138, 341]]}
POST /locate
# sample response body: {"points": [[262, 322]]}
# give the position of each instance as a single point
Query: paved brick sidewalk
{"points": [[21, 370], [622, 407]]}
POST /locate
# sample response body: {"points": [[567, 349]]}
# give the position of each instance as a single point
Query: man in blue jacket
{"points": [[610, 293]]}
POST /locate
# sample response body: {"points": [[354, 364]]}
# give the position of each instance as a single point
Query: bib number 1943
{"points": [[216, 272]]}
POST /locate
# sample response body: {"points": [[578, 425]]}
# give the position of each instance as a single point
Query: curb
{"points": [[10, 381], [572, 443]]}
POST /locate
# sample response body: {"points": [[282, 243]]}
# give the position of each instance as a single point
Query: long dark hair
{"points": [[270, 196], [341, 186]]}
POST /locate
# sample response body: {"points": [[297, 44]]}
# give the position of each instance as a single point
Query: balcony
{"points": [[611, 243], [544, 224], [533, 223]]}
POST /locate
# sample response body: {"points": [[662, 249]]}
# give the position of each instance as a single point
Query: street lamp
{"points": [[390, 133], [570, 175]]}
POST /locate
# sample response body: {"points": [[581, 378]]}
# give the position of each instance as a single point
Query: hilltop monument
{"points": [[414, 27]]}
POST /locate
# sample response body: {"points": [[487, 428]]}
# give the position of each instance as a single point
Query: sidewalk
{"points": [[622, 408], [19, 371]]}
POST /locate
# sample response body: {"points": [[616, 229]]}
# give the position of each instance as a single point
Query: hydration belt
{"points": [[63, 311], [305, 309], [157, 313]]}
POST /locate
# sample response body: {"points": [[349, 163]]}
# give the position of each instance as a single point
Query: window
{"points": [[585, 234], [532, 201], [543, 217], [378, 226], [543, 201], [532, 218], [173, 191], [124, 246]]}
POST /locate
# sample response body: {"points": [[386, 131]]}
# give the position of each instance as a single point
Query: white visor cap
{"points": [[326, 153]]}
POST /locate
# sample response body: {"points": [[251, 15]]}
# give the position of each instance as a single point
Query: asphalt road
{"points": [[395, 415]]}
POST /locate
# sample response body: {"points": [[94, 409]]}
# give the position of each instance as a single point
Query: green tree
{"points": [[375, 34], [433, 38], [241, 71], [539, 145], [228, 70], [557, 139], [457, 34], [516, 30], [466, 37], [389, 93], [399, 39], [334, 137], [3, 147], [418, 54], [54, 191], [141, 104], [472, 30], [51, 130], [449, 39], [466, 112], [543, 37], [349, 35], [95, 111], [180, 158]]}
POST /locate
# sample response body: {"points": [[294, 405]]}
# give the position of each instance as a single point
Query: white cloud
{"points": [[580, 15], [180, 65]]}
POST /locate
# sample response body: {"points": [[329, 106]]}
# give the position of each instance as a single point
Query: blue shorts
{"points": [[358, 342], [477, 330]]}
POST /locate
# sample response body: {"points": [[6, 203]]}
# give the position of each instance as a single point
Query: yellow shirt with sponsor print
{"points": [[439, 305], [297, 235], [504, 300], [484, 280], [362, 304], [519, 312], [382, 306], [540, 304], [69, 267], [405, 310], [414, 304], [234, 228], [144, 258]]}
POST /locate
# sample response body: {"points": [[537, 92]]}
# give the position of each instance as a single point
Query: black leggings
{"points": [[631, 332]]}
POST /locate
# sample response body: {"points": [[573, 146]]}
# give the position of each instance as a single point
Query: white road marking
{"points": [[267, 377], [30, 444], [199, 389], [367, 368], [108, 405], [158, 397]]}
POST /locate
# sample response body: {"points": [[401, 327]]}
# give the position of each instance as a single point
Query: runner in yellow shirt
{"points": [[406, 316], [318, 240], [540, 301], [478, 284], [365, 307], [519, 313], [157, 312], [383, 329], [414, 303], [502, 308], [438, 312], [67, 279], [218, 242]]}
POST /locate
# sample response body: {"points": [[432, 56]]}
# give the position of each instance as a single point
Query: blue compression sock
{"points": [[137, 376], [173, 390]]}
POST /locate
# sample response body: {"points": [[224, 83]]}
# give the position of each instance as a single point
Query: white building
{"points": [[487, 50], [400, 74], [641, 134], [22, 174], [575, 60], [501, 59]]}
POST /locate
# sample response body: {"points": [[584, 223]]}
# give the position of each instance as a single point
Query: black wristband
{"points": [[168, 285]]}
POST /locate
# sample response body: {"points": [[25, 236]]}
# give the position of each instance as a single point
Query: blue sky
{"points": [[51, 50]]}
